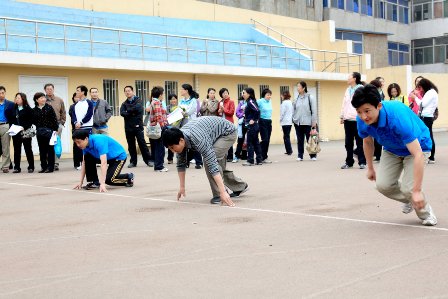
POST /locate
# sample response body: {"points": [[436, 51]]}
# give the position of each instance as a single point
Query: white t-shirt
{"points": [[429, 103]]}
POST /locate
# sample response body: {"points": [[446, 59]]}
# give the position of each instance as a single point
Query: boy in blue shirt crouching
{"points": [[407, 145], [104, 150]]}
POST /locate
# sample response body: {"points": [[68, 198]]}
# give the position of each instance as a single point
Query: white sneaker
{"points": [[431, 162], [235, 160], [162, 170], [300, 159], [407, 208], [431, 220], [78, 168], [314, 159]]}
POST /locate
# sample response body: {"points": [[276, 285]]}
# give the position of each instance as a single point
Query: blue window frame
{"points": [[355, 37], [325, 3], [398, 53]]}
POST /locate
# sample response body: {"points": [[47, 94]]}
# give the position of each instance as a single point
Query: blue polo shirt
{"points": [[397, 126], [3, 118], [265, 108], [102, 144]]}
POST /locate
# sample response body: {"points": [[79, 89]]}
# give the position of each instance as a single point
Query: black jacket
{"points": [[132, 112], [45, 118], [252, 112], [23, 117]]}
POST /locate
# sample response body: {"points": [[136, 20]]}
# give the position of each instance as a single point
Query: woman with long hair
{"points": [[23, 117], [210, 105], [240, 153], [428, 105], [414, 95], [158, 116], [189, 104], [251, 119]]}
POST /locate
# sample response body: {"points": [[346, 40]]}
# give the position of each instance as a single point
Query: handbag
{"points": [[312, 146], [44, 132], [153, 132], [29, 133]]}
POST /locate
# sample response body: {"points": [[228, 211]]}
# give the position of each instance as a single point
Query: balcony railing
{"points": [[32, 36]]}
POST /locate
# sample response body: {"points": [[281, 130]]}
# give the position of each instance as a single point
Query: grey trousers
{"points": [[104, 131], [6, 140], [387, 179], [221, 146]]}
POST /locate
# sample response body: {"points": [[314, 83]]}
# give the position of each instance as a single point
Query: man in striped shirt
{"points": [[211, 136]]}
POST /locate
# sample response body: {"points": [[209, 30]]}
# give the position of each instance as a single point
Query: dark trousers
{"points": [[287, 138], [77, 156], [158, 151], [46, 153], [17, 141], [197, 158], [378, 150], [230, 153], [239, 152], [265, 135], [113, 175], [428, 122], [170, 155], [131, 135], [253, 144], [351, 134], [302, 133]]}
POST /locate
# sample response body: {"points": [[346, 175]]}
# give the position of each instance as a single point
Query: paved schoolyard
{"points": [[304, 230]]}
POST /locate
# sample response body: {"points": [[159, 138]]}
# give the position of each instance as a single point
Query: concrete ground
{"points": [[304, 230]]}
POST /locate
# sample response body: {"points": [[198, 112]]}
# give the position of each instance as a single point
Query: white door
{"points": [[29, 85]]}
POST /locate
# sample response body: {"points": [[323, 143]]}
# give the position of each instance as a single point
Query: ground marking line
{"points": [[247, 209], [384, 271]]}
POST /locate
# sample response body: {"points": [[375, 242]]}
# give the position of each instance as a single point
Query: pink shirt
{"points": [[348, 112]]}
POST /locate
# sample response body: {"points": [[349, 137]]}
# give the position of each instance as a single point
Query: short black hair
{"points": [[80, 134], [172, 95], [222, 90], [36, 96], [48, 84], [128, 86], [90, 90], [368, 94], [3, 88], [265, 91], [376, 83], [171, 136], [83, 88], [156, 92], [73, 98]]}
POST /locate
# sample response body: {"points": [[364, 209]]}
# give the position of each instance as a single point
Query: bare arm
{"points": [[419, 166], [225, 197], [103, 159], [83, 174], [369, 148], [181, 192]]}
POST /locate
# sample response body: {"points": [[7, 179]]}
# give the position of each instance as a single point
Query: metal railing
{"points": [[32, 36], [284, 39]]}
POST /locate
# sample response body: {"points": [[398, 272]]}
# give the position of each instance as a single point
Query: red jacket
{"points": [[229, 109]]}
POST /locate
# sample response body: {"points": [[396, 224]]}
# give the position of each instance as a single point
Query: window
{"points": [[170, 87], [240, 88], [310, 3], [110, 88], [398, 53], [325, 3], [337, 4], [422, 10], [356, 38], [353, 5], [142, 90], [366, 7], [423, 51], [380, 9], [263, 87]]}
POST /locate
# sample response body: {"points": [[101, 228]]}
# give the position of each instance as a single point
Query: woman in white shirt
{"points": [[286, 120], [428, 105]]}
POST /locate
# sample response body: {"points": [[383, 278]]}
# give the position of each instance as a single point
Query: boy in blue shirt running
{"points": [[407, 145], [104, 150]]}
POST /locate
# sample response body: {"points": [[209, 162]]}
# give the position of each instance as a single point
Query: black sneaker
{"points": [[132, 165], [56, 168], [215, 200], [130, 182], [239, 193], [198, 166], [91, 186], [150, 164]]}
